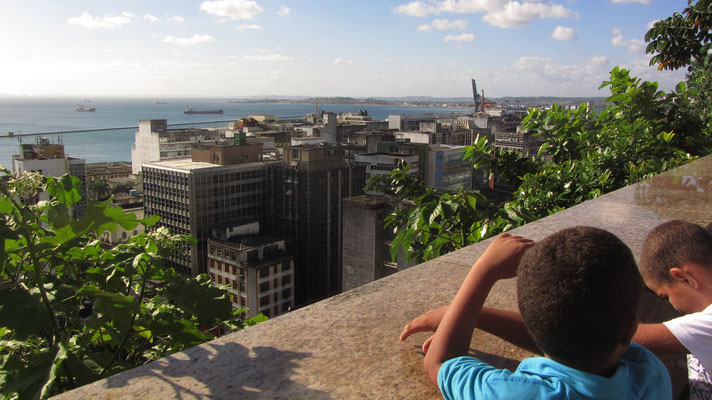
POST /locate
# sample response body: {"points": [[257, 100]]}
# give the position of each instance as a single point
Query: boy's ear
{"points": [[685, 276]]}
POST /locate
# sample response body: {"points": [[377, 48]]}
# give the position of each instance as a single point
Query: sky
{"points": [[384, 48]]}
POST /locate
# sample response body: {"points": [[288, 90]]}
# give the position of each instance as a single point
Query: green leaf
{"points": [[114, 307], [16, 304]]}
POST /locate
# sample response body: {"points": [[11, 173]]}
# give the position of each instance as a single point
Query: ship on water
{"points": [[83, 108], [160, 102], [189, 110]]}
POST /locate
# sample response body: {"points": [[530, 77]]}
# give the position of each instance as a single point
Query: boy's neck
{"points": [[606, 370]]}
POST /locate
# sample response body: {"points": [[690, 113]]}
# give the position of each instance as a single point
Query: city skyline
{"points": [[240, 48]]}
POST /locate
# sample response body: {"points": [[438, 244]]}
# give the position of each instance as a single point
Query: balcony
{"points": [[347, 347]]}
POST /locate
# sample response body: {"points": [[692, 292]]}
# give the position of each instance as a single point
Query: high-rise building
{"points": [[315, 180], [222, 183], [49, 159]]}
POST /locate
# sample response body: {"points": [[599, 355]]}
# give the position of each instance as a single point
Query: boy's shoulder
{"points": [[640, 375]]}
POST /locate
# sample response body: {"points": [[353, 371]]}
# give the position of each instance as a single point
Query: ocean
{"points": [[33, 115]]}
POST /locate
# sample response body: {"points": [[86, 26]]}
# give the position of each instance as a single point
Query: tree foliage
{"points": [[643, 131], [71, 311], [682, 39]]}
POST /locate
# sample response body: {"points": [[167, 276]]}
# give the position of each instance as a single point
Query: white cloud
{"points": [[150, 18], [516, 14], [189, 41], [563, 33], [251, 27], [646, 2], [501, 13], [176, 18], [232, 9], [445, 24], [416, 9], [463, 37], [343, 61], [269, 57], [590, 72], [424, 28], [633, 45], [283, 10], [107, 21]]}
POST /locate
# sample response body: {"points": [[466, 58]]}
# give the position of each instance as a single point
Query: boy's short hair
{"points": [[671, 244], [578, 290]]}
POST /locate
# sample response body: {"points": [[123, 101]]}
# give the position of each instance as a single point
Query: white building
{"points": [[155, 142]]}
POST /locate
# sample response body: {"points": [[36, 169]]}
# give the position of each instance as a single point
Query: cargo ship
{"points": [[189, 110], [83, 108]]}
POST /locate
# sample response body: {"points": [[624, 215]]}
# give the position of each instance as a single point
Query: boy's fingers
{"points": [[411, 329], [426, 344]]}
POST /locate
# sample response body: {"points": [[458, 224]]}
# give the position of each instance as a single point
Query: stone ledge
{"points": [[347, 347]]}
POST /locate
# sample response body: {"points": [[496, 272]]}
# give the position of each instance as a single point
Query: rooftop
{"points": [[347, 347]]}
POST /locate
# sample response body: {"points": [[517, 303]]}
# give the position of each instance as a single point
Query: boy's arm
{"points": [[506, 325], [658, 339], [452, 338]]}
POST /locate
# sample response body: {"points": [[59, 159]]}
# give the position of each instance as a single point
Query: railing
{"points": [[347, 347]]}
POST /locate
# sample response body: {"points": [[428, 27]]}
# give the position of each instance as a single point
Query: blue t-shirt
{"points": [[640, 375]]}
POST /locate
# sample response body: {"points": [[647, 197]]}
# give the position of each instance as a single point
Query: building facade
{"points": [[193, 195], [315, 180], [258, 273]]}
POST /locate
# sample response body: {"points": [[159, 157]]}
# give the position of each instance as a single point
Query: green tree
{"points": [[98, 189], [684, 40], [94, 312]]}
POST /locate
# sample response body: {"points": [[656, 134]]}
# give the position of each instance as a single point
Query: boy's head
{"points": [[675, 256], [578, 291]]}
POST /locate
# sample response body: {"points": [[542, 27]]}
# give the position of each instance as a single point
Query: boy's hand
{"points": [[502, 256], [427, 322]]}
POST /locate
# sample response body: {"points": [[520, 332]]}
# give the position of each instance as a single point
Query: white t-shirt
{"points": [[694, 331]]}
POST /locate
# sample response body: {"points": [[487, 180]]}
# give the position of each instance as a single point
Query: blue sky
{"points": [[233, 48]]}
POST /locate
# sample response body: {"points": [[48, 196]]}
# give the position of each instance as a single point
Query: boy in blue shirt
{"points": [[577, 291]]}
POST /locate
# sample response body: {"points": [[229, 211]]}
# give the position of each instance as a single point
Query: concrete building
{"points": [[50, 160], [447, 168], [258, 272], [155, 142], [221, 183], [523, 142], [381, 164], [315, 180], [365, 248]]}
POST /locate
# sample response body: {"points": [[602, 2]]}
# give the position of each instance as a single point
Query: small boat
{"points": [[160, 102], [83, 108], [189, 110]]}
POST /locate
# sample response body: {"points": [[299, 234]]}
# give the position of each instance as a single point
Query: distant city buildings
{"points": [[49, 159]]}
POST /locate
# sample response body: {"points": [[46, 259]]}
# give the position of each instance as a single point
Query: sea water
{"points": [[35, 115]]}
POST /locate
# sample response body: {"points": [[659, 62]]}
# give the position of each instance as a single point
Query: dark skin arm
{"points": [[508, 325]]}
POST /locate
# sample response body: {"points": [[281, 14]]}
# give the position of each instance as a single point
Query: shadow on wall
{"points": [[196, 376]]}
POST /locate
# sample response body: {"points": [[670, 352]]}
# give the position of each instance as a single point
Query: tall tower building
{"points": [[315, 179], [222, 184]]}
